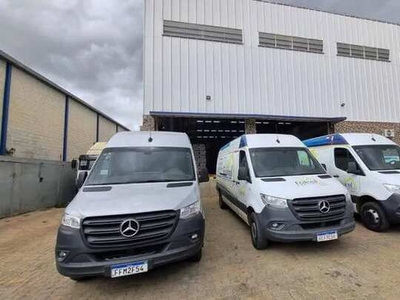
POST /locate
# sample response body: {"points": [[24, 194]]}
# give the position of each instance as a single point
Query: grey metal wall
{"points": [[180, 73], [27, 185]]}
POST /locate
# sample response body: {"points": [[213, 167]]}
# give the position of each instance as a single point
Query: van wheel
{"points": [[197, 256], [257, 237], [374, 217], [222, 204]]}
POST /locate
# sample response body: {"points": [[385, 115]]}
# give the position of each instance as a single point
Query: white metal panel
{"points": [[248, 79]]}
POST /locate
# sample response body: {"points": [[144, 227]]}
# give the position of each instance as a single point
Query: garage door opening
{"points": [[209, 134]]}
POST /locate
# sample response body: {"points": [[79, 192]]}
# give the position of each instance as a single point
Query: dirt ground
{"points": [[360, 265]]}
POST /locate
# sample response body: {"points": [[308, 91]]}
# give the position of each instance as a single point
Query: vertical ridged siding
{"points": [[180, 73]]}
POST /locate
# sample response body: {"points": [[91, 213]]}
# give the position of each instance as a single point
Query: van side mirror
{"points": [[244, 174], [352, 168], [81, 179], [74, 164], [203, 175], [324, 166]]}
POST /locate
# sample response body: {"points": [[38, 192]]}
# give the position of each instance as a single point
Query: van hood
{"points": [[308, 186], [131, 199], [389, 177]]}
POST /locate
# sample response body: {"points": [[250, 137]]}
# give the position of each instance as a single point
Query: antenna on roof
{"points": [[277, 139], [150, 138], [372, 138]]}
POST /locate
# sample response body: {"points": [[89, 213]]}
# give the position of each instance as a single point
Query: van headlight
{"points": [[392, 188], [191, 210], [71, 221], [274, 201]]}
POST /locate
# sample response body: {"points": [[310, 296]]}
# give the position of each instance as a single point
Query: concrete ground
{"points": [[361, 265]]}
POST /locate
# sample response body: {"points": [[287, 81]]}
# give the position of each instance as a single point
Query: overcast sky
{"points": [[93, 48]]}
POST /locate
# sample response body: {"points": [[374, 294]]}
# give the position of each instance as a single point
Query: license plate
{"points": [[327, 236], [129, 269]]}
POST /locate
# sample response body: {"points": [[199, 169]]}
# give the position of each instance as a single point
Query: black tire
{"points": [[257, 237], [222, 204], [374, 217], [197, 257]]}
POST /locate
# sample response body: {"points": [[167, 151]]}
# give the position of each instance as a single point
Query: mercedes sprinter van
{"points": [[281, 191], [138, 207], [368, 165]]}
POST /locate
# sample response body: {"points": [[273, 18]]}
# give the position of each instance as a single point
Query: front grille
{"points": [[307, 226], [307, 209], [105, 231]]}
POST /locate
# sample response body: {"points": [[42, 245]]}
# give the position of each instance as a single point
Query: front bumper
{"points": [[294, 230], [83, 261], [392, 208]]}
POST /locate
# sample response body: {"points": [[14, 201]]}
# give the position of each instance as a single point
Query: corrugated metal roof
{"points": [[14, 62], [246, 116]]}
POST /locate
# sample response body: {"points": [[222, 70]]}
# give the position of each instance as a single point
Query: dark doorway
{"points": [[209, 135]]}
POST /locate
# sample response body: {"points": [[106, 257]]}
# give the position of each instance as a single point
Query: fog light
{"points": [[276, 225], [61, 255], [194, 236]]}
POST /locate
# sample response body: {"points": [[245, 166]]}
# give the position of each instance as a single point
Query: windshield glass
{"points": [[380, 157], [86, 165], [271, 162], [138, 165]]}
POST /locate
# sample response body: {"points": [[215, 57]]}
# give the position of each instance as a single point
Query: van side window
{"points": [[343, 157], [243, 160]]}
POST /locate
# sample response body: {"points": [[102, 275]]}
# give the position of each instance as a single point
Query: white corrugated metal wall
{"points": [[179, 73]]}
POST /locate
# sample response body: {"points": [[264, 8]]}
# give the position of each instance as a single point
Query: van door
{"points": [[342, 158], [243, 182]]}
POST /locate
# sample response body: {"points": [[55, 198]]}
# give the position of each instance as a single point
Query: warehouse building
{"points": [[41, 120], [219, 68]]}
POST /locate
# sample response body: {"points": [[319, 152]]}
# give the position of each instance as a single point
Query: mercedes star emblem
{"points": [[324, 206], [129, 228]]}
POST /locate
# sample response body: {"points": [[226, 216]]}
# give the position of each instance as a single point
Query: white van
{"points": [[277, 187], [369, 166], [139, 207]]}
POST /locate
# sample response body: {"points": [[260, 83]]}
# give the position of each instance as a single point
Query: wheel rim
{"points": [[372, 216], [254, 232]]}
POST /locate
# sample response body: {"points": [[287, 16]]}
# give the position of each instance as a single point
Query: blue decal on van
{"points": [[332, 139], [243, 141]]}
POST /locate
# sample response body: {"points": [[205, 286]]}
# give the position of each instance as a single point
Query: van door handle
{"points": [[237, 182], [336, 176]]}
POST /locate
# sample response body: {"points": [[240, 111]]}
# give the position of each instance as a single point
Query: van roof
{"points": [[149, 139], [353, 139], [265, 141], [96, 148]]}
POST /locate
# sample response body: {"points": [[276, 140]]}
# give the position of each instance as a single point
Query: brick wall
{"points": [[36, 118], [106, 129], [368, 127], [200, 155], [148, 124], [2, 78], [250, 126], [120, 129], [82, 128]]}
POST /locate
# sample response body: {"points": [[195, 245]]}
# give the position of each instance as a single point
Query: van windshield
{"points": [[272, 162], [140, 165], [380, 157]]}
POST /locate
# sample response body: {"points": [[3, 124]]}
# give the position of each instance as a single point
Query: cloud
{"points": [[93, 48]]}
